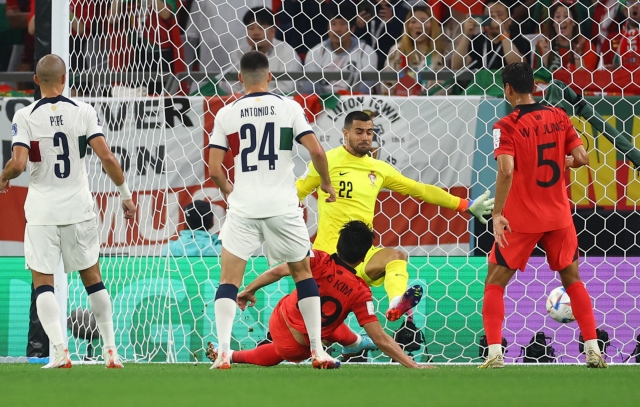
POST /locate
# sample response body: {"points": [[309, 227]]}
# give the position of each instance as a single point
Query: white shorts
{"points": [[286, 237], [78, 244]]}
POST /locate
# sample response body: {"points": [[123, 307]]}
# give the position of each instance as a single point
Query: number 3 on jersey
{"points": [[62, 170], [267, 146]]}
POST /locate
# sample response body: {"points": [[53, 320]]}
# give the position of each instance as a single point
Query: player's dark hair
{"points": [[520, 76], [356, 115], [344, 10], [198, 215], [259, 15], [254, 61], [356, 238]]}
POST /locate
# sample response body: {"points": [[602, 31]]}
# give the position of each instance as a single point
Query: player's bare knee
{"points": [[41, 279], [91, 275]]}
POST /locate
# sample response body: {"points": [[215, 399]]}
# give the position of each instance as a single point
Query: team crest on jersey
{"points": [[372, 178], [496, 138], [14, 129]]}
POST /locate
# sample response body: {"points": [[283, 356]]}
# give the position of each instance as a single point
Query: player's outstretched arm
{"points": [[15, 166], [434, 195], [114, 171], [248, 298], [503, 186], [308, 182], [319, 160], [217, 173], [386, 344], [578, 158]]}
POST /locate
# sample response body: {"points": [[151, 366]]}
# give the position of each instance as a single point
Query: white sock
{"points": [[225, 313], [100, 303], [495, 350], [49, 314], [394, 301], [310, 310], [592, 344], [357, 342]]}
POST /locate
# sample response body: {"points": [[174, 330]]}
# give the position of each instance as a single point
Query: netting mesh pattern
{"points": [[159, 71]]}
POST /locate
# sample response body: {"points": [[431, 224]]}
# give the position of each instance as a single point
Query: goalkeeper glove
{"points": [[481, 206]]}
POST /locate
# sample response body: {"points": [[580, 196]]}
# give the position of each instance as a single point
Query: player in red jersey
{"points": [[341, 292], [533, 146]]}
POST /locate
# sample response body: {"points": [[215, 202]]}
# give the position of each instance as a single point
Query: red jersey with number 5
{"points": [[340, 293], [539, 138]]}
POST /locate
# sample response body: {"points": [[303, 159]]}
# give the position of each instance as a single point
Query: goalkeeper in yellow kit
{"points": [[358, 178]]}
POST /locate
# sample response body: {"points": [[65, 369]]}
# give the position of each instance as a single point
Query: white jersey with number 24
{"points": [[259, 129]]}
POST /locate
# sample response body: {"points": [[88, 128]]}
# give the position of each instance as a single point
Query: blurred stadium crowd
{"points": [[412, 40]]}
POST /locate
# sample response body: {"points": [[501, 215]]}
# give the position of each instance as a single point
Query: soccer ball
{"points": [[559, 306]]}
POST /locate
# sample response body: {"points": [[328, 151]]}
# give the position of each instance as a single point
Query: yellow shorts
{"points": [[362, 266]]}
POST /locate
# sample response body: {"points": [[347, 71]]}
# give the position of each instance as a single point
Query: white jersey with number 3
{"points": [[259, 129], [57, 131]]}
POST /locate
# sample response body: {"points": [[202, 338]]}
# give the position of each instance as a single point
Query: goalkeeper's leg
{"points": [[389, 267], [100, 302]]}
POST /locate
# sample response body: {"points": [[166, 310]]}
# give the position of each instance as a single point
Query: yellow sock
{"points": [[396, 278]]}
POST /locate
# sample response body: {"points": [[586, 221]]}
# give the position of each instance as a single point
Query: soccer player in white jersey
{"points": [[260, 129], [53, 134]]}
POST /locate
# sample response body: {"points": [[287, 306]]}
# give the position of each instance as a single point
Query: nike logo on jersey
{"points": [[344, 173]]}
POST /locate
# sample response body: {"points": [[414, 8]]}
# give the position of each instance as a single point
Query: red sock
{"points": [[582, 310], [342, 335], [493, 313], [264, 355]]}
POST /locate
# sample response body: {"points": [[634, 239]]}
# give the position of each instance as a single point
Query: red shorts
{"points": [[286, 345], [561, 247]]}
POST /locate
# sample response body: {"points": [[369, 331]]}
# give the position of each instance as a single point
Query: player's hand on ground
{"points": [[482, 206], [212, 352], [328, 189], [426, 367], [4, 186], [500, 224], [129, 209], [246, 298]]}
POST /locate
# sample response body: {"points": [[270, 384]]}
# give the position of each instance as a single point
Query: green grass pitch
{"points": [[290, 385]]}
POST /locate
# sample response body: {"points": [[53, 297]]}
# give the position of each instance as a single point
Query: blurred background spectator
{"points": [[17, 14], [341, 52], [261, 36], [301, 24], [419, 48], [157, 48], [628, 53], [563, 46], [607, 17], [214, 31], [195, 239], [380, 24], [498, 45]]}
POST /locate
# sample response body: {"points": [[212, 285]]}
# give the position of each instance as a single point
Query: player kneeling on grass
{"points": [[341, 291]]}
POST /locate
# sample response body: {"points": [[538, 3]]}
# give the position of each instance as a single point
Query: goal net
{"points": [[157, 73]]}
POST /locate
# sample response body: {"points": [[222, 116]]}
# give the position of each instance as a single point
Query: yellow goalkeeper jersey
{"points": [[357, 182]]}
